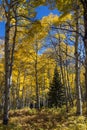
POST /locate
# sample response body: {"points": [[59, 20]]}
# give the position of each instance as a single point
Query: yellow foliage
{"points": [[60, 36], [65, 18], [13, 21], [49, 20]]}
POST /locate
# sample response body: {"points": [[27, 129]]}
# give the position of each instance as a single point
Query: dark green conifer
{"points": [[56, 95]]}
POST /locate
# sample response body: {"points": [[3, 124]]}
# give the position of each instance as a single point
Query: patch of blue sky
{"points": [[45, 11], [2, 29]]}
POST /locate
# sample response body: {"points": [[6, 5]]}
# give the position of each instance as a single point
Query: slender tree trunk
{"points": [[63, 78], [36, 76], [18, 89], [85, 44], [7, 71], [68, 82], [8, 56], [77, 68], [23, 90], [43, 92], [84, 3]]}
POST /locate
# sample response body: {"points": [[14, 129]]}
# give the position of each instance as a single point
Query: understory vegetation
{"points": [[45, 119]]}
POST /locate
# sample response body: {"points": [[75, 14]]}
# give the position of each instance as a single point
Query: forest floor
{"points": [[45, 119]]}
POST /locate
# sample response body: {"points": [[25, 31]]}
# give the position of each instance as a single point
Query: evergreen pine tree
{"points": [[56, 95]]}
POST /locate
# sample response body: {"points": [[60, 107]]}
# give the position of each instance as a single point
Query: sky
{"points": [[41, 12], [2, 29], [45, 11]]}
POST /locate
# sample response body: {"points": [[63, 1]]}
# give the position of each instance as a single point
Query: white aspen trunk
{"points": [[8, 56], [62, 75], [84, 3], [36, 75], [77, 67], [7, 71]]}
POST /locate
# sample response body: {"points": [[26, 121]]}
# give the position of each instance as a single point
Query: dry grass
{"points": [[45, 119]]}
